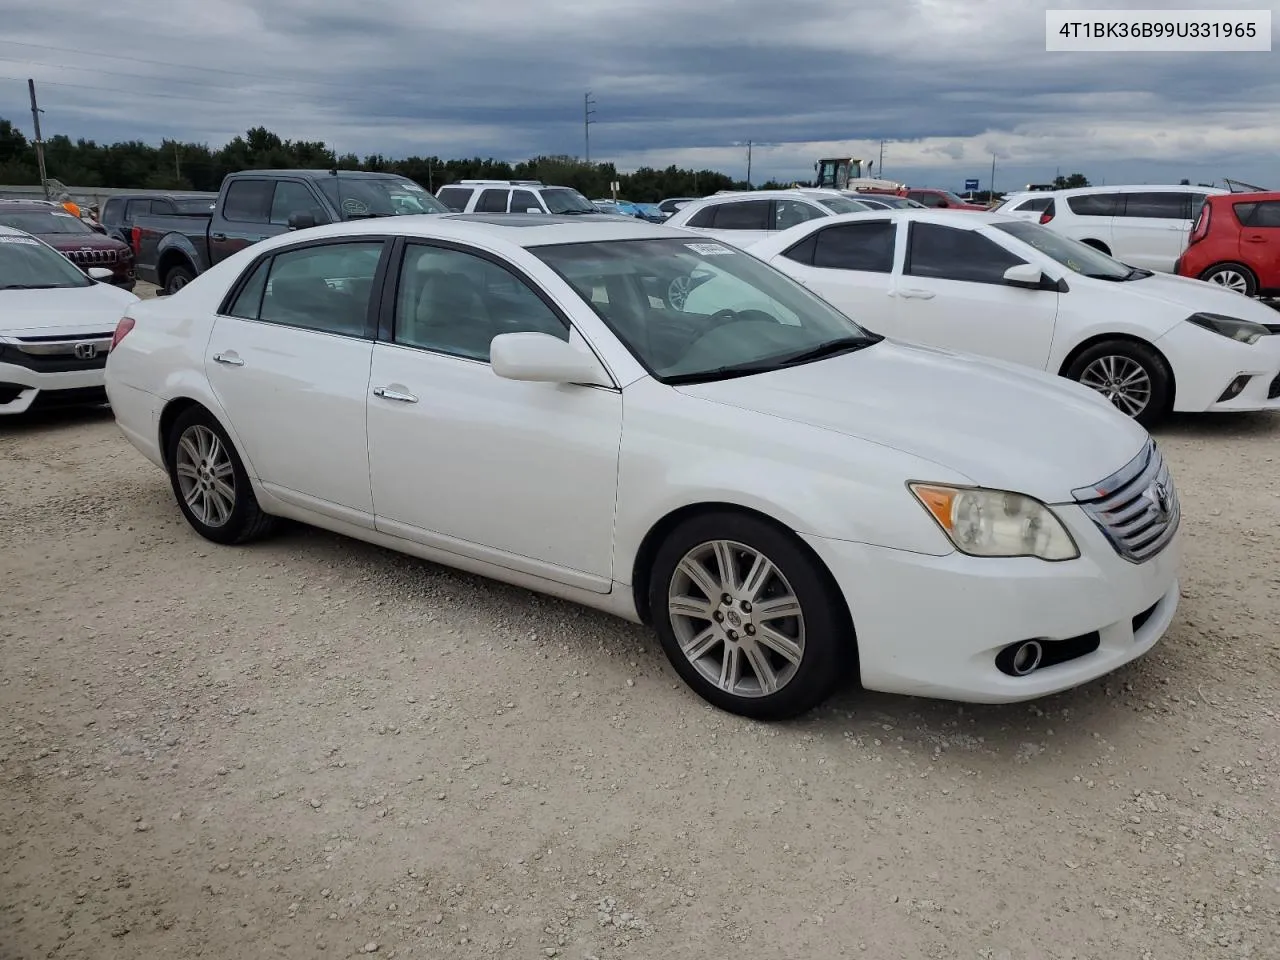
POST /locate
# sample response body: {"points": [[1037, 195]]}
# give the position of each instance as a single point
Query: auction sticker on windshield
{"points": [[34, 243], [710, 249]]}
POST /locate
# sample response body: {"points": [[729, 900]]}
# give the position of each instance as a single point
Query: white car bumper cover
{"points": [[33, 383], [1203, 374], [933, 626]]}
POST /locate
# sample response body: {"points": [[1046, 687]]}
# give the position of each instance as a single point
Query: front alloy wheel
{"points": [[748, 615], [736, 618], [1122, 380]]}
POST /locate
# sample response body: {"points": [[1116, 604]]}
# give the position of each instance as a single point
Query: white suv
{"points": [[745, 217], [1144, 226], [512, 196]]}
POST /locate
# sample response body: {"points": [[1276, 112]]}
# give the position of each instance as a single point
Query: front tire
{"points": [[1233, 276], [1133, 376], [210, 482], [748, 618]]}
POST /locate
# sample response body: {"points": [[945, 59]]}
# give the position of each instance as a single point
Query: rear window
{"points": [[1094, 204], [1035, 204], [746, 215], [1264, 213], [493, 201], [1157, 205], [455, 198]]}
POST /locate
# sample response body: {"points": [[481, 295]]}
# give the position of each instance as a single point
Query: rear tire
{"points": [[1233, 276], [209, 481], [1133, 376], [177, 278], [781, 641]]}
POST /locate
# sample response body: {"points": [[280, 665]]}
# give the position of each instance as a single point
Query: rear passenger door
{"points": [[525, 201], [1150, 228], [850, 265], [1091, 216], [1260, 241], [492, 201], [289, 359]]}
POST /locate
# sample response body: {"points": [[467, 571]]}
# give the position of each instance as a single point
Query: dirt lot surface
{"points": [[313, 748]]}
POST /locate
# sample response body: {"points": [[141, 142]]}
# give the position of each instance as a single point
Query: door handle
{"points": [[387, 393], [218, 236], [1255, 239], [917, 294], [230, 359]]}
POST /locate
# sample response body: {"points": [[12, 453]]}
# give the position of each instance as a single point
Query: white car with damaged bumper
{"points": [[778, 492]]}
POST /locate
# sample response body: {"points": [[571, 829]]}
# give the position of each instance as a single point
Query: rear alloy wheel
{"points": [[747, 617], [210, 483], [1233, 276], [1131, 375], [176, 279]]}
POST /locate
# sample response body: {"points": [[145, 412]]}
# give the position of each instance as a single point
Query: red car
{"points": [[940, 199], [1236, 242], [71, 237]]}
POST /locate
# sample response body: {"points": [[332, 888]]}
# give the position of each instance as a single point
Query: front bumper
{"points": [[22, 389], [932, 626], [1205, 365]]}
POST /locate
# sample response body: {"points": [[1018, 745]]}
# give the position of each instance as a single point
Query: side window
{"points": [[492, 201], [1265, 214], [948, 253], [1094, 204], [112, 210], [454, 302], [324, 288], [1035, 204], [138, 208], [523, 201], [803, 251], [703, 218], [292, 197], [792, 212], [745, 215], [455, 198], [1164, 205], [248, 201], [928, 199], [858, 246], [248, 302]]}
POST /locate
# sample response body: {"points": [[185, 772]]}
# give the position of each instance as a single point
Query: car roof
{"points": [[1135, 188], [31, 206], [1259, 197], [519, 229], [964, 219], [320, 174]]}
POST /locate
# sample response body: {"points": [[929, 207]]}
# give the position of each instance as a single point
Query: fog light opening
{"points": [[1236, 388]]}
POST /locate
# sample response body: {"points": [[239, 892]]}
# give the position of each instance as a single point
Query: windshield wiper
{"points": [[30, 286], [828, 349], [1137, 273]]}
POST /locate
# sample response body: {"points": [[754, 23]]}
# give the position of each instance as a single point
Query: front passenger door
{"points": [[519, 474], [850, 265]]}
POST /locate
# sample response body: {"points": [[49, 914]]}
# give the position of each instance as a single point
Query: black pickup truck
{"points": [[256, 204], [121, 211]]}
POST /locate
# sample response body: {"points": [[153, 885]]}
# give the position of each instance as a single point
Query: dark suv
{"points": [[72, 238]]}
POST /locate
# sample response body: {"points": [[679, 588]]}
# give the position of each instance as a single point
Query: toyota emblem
{"points": [[1160, 498]]}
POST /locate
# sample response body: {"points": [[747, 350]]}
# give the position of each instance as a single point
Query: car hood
{"points": [[63, 242], [1002, 426], [33, 313], [1193, 296]]}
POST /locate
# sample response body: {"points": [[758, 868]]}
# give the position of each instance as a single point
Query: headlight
{"points": [[996, 523], [1246, 331]]}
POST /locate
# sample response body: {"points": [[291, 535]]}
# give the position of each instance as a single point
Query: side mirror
{"points": [[542, 358], [1025, 275], [100, 273], [301, 221]]}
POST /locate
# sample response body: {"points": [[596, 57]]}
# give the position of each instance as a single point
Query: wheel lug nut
{"points": [[719, 616], [746, 606], [726, 599], [733, 634], [750, 630]]}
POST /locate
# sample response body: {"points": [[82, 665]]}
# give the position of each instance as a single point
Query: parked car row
{"points": [[72, 237]]}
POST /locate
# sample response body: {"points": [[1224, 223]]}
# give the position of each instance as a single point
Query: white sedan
{"points": [[1011, 290], [56, 326], [777, 491]]}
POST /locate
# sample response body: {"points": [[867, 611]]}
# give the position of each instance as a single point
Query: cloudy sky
{"points": [[946, 83]]}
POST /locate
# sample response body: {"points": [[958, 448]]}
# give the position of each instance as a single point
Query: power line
{"points": [[166, 63]]}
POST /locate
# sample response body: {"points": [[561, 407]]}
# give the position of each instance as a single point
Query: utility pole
{"points": [[880, 165], [749, 163], [991, 186], [35, 119], [177, 164], [587, 104]]}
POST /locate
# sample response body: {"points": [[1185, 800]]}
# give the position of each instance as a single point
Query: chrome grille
{"points": [[91, 258], [1136, 507]]}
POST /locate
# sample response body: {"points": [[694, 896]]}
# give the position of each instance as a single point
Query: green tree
{"points": [[1070, 182]]}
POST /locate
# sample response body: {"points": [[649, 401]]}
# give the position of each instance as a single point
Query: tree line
{"points": [[175, 165]]}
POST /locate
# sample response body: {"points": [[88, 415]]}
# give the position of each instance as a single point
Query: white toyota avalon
{"points": [[584, 406]]}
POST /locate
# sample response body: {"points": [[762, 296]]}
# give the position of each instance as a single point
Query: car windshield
{"points": [[27, 264], [842, 204], [360, 197], [44, 222], [697, 311], [951, 197], [565, 200], [1075, 256]]}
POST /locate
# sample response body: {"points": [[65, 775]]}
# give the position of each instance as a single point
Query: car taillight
{"points": [[1201, 228], [1046, 216], [135, 240], [122, 330]]}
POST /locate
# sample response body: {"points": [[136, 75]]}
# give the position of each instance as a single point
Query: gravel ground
{"points": [[310, 747]]}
